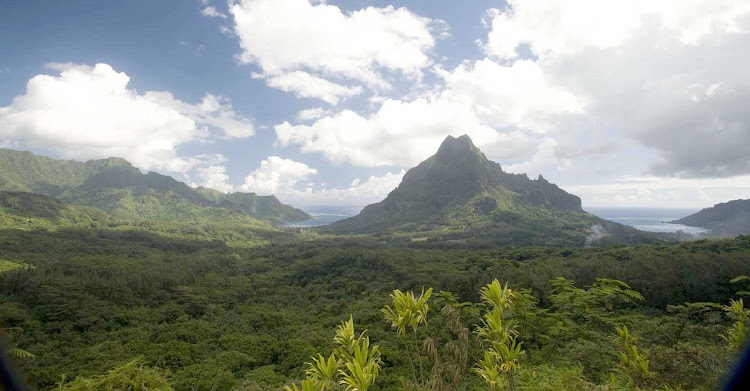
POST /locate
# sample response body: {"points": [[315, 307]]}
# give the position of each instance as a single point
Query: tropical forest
{"points": [[390, 195], [503, 288]]}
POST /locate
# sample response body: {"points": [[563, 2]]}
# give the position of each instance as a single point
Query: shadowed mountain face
{"points": [[726, 219], [121, 190], [459, 171], [459, 189]]}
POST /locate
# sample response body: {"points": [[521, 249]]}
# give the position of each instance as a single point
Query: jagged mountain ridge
{"points": [[117, 187], [458, 192]]}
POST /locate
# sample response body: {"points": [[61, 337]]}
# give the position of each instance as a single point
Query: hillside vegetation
{"points": [[120, 189], [36, 212], [218, 317], [726, 219], [458, 195], [465, 278]]}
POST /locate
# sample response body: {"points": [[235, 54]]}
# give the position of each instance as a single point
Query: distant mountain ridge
{"points": [[120, 189], [458, 193], [725, 219]]}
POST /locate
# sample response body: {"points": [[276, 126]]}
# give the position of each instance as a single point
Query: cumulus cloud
{"points": [[292, 183], [276, 176], [400, 133], [305, 85], [288, 36], [213, 177], [503, 108], [518, 95], [311, 114], [544, 161], [557, 27], [89, 112], [668, 74], [359, 193], [663, 192], [213, 111], [212, 12], [226, 31]]}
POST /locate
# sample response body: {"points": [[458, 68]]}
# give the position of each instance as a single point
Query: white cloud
{"points": [[213, 111], [311, 114], [359, 193], [668, 74], [502, 108], [663, 192], [399, 133], [284, 36], [213, 177], [519, 95], [291, 182], [544, 161], [305, 85], [565, 27], [88, 112], [212, 12], [277, 176], [226, 31]]}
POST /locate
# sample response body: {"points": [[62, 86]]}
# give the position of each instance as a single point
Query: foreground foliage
{"points": [[133, 376], [215, 317]]}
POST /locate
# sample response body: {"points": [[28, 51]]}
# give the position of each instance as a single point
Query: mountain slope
{"points": [[458, 193], [32, 212], [123, 191], [25, 171], [21, 210], [267, 206], [726, 219]]}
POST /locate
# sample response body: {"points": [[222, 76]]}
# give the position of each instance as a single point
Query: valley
{"points": [[124, 274], [402, 195]]}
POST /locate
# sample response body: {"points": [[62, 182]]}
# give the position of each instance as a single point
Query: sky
{"points": [[637, 103]]}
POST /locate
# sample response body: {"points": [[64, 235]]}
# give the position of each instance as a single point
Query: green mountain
{"points": [[123, 191], [726, 219], [20, 210], [37, 212], [458, 194]]}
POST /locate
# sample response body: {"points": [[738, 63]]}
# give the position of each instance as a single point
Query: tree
{"points": [[737, 334], [684, 313], [133, 376], [409, 311], [741, 278], [633, 363], [354, 363], [450, 362], [578, 305], [324, 371], [498, 332], [307, 385], [18, 352]]}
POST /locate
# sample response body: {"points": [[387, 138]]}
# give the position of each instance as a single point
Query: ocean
{"points": [[325, 214], [645, 219], [648, 219]]}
